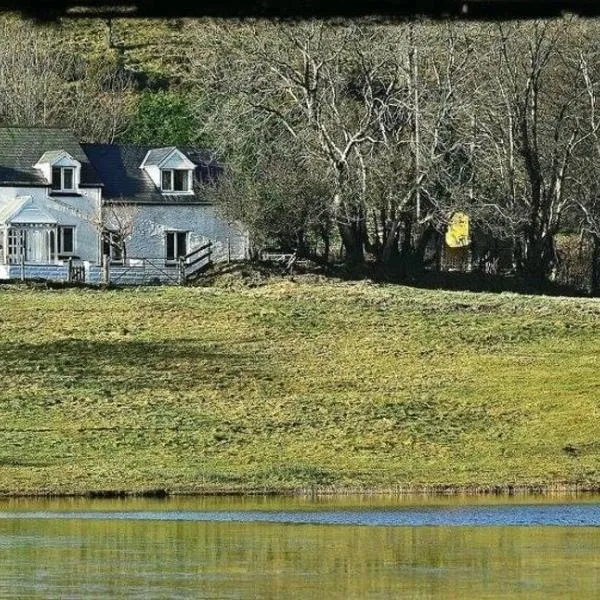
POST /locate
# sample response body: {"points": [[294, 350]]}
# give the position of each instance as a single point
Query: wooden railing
{"points": [[197, 261]]}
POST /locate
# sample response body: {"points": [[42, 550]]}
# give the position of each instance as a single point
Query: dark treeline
{"points": [[358, 142]]}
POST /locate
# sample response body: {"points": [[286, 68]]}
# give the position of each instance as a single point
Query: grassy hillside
{"points": [[158, 47], [292, 385]]}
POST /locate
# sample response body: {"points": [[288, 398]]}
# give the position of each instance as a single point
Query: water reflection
{"points": [[283, 503], [100, 558]]}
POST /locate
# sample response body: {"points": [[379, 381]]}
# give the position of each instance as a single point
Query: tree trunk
{"points": [[406, 248], [326, 244], [353, 243], [389, 253], [301, 247], [539, 258], [412, 251], [418, 261]]}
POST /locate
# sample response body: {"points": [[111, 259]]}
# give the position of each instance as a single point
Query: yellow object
{"points": [[457, 234]]}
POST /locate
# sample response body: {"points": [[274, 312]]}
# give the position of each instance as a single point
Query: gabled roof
{"points": [[22, 210], [22, 147], [11, 207], [51, 156], [156, 156], [119, 168], [31, 213], [161, 157], [57, 157]]}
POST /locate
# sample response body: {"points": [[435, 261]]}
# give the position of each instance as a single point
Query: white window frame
{"points": [[62, 180], [162, 172], [172, 189], [61, 240], [175, 233]]}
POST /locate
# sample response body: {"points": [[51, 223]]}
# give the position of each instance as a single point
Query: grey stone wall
{"points": [[39, 271]]}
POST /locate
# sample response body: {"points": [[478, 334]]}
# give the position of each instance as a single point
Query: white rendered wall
{"points": [[153, 221], [80, 212]]}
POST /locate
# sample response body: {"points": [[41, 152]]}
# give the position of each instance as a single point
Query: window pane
{"points": [[66, 244], [181, 243], [56, 185], [116, 247], [170, 246], [106, 244], [52, 242], [167, 183], [68, 179], [181, 180]]}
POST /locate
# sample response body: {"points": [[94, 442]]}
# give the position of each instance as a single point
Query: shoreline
{"points": [[323, 491]]}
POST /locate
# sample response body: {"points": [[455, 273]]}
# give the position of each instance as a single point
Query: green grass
{"points": [[158, 47], [294, 385]]}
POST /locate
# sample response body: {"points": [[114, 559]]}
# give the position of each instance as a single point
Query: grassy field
{"points": [[293, 385]]}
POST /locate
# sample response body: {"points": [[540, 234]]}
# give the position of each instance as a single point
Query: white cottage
{"points": [[63, 203]]}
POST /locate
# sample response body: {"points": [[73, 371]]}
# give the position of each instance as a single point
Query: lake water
{"points": [[353, 547]]}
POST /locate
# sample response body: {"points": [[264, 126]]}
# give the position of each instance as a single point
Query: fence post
{"points": [[181, 270], [70, 269], [22, 267], [105, 269]]}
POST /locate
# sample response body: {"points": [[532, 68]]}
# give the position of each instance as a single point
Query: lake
{"points": [[265, 547]]}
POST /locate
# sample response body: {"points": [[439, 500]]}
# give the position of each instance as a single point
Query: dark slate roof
{"points": [[119, 168], [22, 147]]}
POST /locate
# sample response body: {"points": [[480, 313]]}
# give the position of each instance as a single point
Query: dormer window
{"points": [[61, 170], [175, 180], [171, 171], [63, 179]]}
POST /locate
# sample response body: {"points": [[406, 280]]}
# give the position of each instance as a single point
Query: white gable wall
{"points": [[154, 173], [46, 169]]}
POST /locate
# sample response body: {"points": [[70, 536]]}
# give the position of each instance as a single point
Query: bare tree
{"points": [[117, 224], [299, 76], [101, 103], [532, 128], [408, 124], [586, 176], [31, 63], [43, 82], [422, 166], [361, 104]]}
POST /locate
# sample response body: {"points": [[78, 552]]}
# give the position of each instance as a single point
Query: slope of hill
{"points": [[292, 386]]}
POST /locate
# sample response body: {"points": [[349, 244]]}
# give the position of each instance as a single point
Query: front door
{"points": [[37, 246]]}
